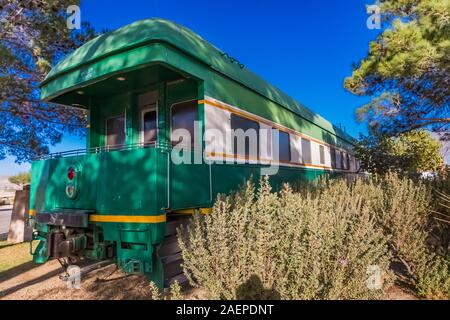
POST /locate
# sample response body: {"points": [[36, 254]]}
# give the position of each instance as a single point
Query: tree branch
{"points": [[445, 120]]}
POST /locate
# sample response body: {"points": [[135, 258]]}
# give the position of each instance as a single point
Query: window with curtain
{"points": [[149, 125], [250, 129], [184, 116], [338, 159], [344, 161], [115, 131], [322, 154], [284, 146], [306, 151], [333, 157]]}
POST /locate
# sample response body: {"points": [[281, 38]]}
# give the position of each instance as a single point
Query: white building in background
{"points": [[445, 148], [5, 185], [7, 190]]}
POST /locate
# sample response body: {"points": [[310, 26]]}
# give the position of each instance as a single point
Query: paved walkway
{"points": [[5, 218]]}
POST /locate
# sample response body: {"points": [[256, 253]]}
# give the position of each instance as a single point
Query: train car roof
{"points": [[147, 31]]}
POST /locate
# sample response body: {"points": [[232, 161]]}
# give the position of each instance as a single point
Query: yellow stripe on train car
{"points": [[127, 219]]}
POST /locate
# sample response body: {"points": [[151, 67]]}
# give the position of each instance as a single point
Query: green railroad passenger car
{"points": [[122, 197]]}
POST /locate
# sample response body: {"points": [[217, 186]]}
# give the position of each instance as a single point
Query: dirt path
{"points": [[42, 282], [22, 279], [397, 293], [107, 283]]}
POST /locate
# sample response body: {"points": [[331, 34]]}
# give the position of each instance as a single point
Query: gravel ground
{"points": [[21, 279], [43, 282], [107, 283]]}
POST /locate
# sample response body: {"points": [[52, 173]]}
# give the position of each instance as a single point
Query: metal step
{"points": [[170, 252], [171, 258], [174, 223], [173, 268], [169, 246]]}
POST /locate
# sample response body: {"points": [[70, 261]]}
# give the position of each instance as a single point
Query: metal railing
{"points": [[102, 149], [123, 147]]}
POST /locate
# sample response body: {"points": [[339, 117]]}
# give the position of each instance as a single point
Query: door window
{"points": [[149, 125], [115, 131]]}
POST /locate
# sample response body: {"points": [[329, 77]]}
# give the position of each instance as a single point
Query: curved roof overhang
{"points": [[110, 66], [155, 41]]}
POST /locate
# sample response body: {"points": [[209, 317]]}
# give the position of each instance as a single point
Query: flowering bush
{"points": [[259, 244], [329, 240]]}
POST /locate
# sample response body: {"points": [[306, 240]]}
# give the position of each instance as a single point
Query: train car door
{"points": [[189, 175]]}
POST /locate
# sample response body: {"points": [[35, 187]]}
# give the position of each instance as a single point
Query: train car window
{"points": [[306, 151], [333, 157], [115, 131], [149, 125], [344, 161], [148, 116], [184, 116], [347, 161], [284, 147], [251, 130], [322, 154]]}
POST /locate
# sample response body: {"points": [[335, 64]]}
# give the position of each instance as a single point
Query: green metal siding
{"points": [[131, 182]]}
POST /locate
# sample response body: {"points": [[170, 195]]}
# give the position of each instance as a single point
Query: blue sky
{"points": [[305, 48]]}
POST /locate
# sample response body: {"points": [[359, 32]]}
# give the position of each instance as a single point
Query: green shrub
{"points": [[173, 293], [440, 212], [405, 211], [402, 209], [415, 221], [318, 242], [313, 245], [434, 278]]}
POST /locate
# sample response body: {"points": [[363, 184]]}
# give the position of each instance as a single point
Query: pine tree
{"points": [[407, 70], [33, 37]]}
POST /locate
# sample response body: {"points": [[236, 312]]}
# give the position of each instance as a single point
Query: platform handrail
{"points": [[94, 150], [122, 147]]}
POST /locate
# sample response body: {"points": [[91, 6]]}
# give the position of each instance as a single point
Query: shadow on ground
{"points": [[253, 289], [11, 273], [109, 283], [28, 283]]}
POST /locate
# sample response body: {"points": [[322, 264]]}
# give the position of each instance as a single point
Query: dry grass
{"points": [[14, 258]]}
